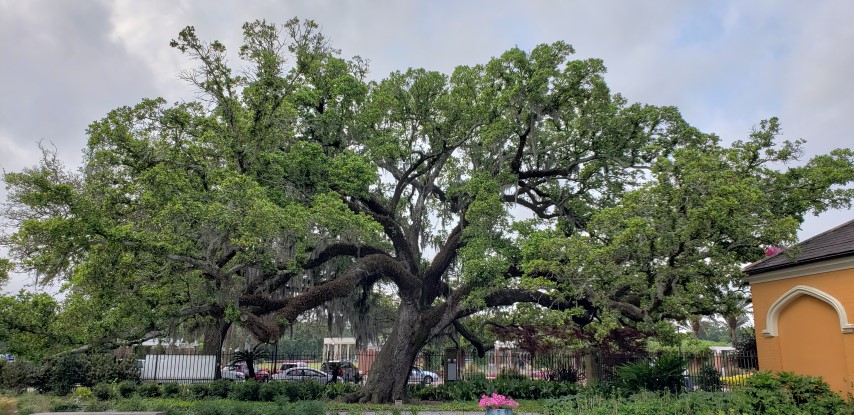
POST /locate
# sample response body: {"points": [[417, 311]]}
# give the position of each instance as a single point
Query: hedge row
{"points": [[63, 374], [241, 391], [764, 393]]}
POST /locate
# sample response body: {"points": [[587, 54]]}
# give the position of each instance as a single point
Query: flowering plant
{"points": [[496, 401], [773, 250]]}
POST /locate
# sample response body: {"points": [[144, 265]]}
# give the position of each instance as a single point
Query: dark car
{"points": [[347, 371]]}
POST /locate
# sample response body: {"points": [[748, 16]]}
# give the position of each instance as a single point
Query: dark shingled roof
{"points": [[835, 243]]}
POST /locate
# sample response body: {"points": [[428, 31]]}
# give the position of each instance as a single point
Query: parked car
{"points": [[418, 375], [289, 365], [347, 371], [262, 375], [298, 374], [232, 373]]}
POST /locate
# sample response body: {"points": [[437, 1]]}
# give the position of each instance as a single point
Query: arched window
{"points": [[771, 320]]}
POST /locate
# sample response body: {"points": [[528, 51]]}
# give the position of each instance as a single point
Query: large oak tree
{"points": [[296, 183]]}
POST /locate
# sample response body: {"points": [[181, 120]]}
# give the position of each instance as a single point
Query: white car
{"points": [[232, 373], [426, 377], [298, 374]]}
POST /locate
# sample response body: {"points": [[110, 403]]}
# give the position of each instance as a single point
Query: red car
{"points": [[262, 375]]}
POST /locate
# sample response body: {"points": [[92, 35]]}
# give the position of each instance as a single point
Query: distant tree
{"points": [[256, 354], [734, 310]]}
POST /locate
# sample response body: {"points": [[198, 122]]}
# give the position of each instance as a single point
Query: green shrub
{"points": [[17, 376], [103, 391], [245, 391], [126, 388], [475, 376], [171, 389], [66, 372], [766, 392], [269, 391], [65, 406], [302, 391], [199, 390], [745, 347], [149, 390], [126, 369], [515, 388], [337, 390], [645, 403], [219, 388], [100, 368], [564, 372], [664, 374], [709, 379]]}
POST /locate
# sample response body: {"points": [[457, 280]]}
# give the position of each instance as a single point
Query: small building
{"points": [[801, 300], [339, 348]]}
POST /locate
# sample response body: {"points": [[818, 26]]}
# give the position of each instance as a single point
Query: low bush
{"points": [[104, 391], [245, 391], [766, 391], [337, 390], [665, 373], [65, 406], [149, 390], [302, 391], [516, 388], [219, 388], [709, 379], [644, 403], [66, 372], [83, 393], [171, 390], [126, 389], [17, 376], [475, 376], [7, 405], [564, 372], [199, 390], [99, 368]]}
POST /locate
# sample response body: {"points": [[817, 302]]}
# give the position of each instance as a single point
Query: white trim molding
{"points": [[771, 320], [813, 268]]}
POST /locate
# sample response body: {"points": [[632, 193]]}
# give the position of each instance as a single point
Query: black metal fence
{"points": [[712, 370], [199, 368], [725, 368]]}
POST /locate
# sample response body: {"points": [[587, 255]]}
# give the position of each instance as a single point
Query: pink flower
{"points": [[496, 401], [773, 250]]}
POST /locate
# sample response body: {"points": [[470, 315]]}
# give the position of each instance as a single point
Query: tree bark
{"points": [[390, 371], [214, 335], [732, 327]]}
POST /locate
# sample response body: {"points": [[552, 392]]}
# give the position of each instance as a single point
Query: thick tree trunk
{"points": [[214, 335], [389, 374]]}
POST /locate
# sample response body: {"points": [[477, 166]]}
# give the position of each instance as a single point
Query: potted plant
{"points": [[496, 404]]}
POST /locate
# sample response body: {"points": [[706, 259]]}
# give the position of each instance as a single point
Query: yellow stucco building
{"points": [[803, 306]]}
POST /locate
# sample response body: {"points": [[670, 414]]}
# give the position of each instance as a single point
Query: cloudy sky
{"points": [[725, 64]]}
